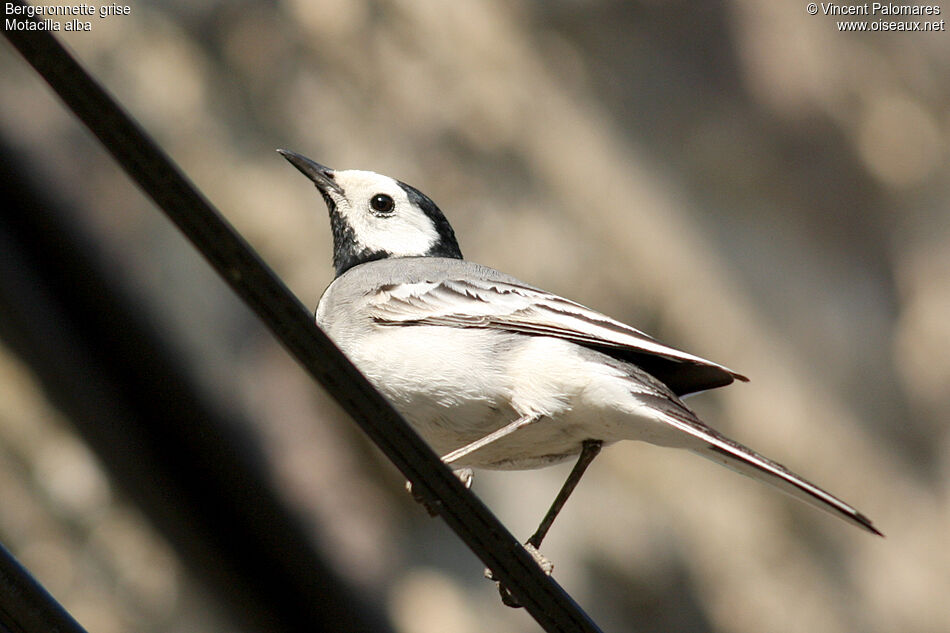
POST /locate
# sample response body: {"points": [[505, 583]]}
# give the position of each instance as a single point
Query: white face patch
{"points": [[403, 231]]}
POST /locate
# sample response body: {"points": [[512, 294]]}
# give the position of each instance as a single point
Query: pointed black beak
{"points": [[321, 176]]}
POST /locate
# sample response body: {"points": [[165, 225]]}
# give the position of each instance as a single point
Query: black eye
{"points": [[382, 203]]}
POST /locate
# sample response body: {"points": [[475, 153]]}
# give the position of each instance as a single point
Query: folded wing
{"points": [[477, 303]]}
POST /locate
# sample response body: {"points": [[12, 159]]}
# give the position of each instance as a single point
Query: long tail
{"points": [[713, 445]]}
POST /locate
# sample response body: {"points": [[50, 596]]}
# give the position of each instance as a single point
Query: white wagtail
{"points": [[495, 373]]}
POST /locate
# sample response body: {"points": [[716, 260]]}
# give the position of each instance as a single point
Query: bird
{"points": [[495, 373]]}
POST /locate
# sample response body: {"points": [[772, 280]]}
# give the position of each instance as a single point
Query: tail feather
{"points": [[722, 450]]}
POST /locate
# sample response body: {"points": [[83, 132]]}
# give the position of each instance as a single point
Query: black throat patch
{"points": [[346, 249]]}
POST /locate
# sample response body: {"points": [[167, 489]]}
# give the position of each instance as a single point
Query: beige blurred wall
{"points": [[739, 178]]}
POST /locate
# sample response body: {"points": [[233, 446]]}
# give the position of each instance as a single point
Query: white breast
{"points": [[456, 385]]}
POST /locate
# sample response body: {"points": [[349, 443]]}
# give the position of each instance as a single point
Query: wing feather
{"points": [[478, 303]]}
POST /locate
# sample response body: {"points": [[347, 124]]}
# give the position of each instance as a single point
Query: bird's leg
{"points": [[589, 450], [465, 474], [491, 437]]}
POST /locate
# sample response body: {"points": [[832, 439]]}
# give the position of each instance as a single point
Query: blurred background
{"points": [[738, 178]]}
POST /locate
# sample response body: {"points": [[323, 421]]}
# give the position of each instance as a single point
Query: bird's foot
{"points": [[506, 597], [465, 475], [546, 566]]}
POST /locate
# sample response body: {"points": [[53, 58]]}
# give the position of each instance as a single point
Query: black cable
{"points": [[25, 607], [293, 326]]}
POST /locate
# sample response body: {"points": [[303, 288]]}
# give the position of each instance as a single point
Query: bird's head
{"points": [[374, 216]]}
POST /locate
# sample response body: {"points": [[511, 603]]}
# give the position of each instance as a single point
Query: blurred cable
{"points": [[292, 324]]}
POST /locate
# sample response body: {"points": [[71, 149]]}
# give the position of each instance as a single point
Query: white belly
{"points": [[460, 386]]}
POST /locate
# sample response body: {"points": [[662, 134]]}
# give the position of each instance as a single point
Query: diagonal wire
{"points": [[25, 607], [289, 321]]}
